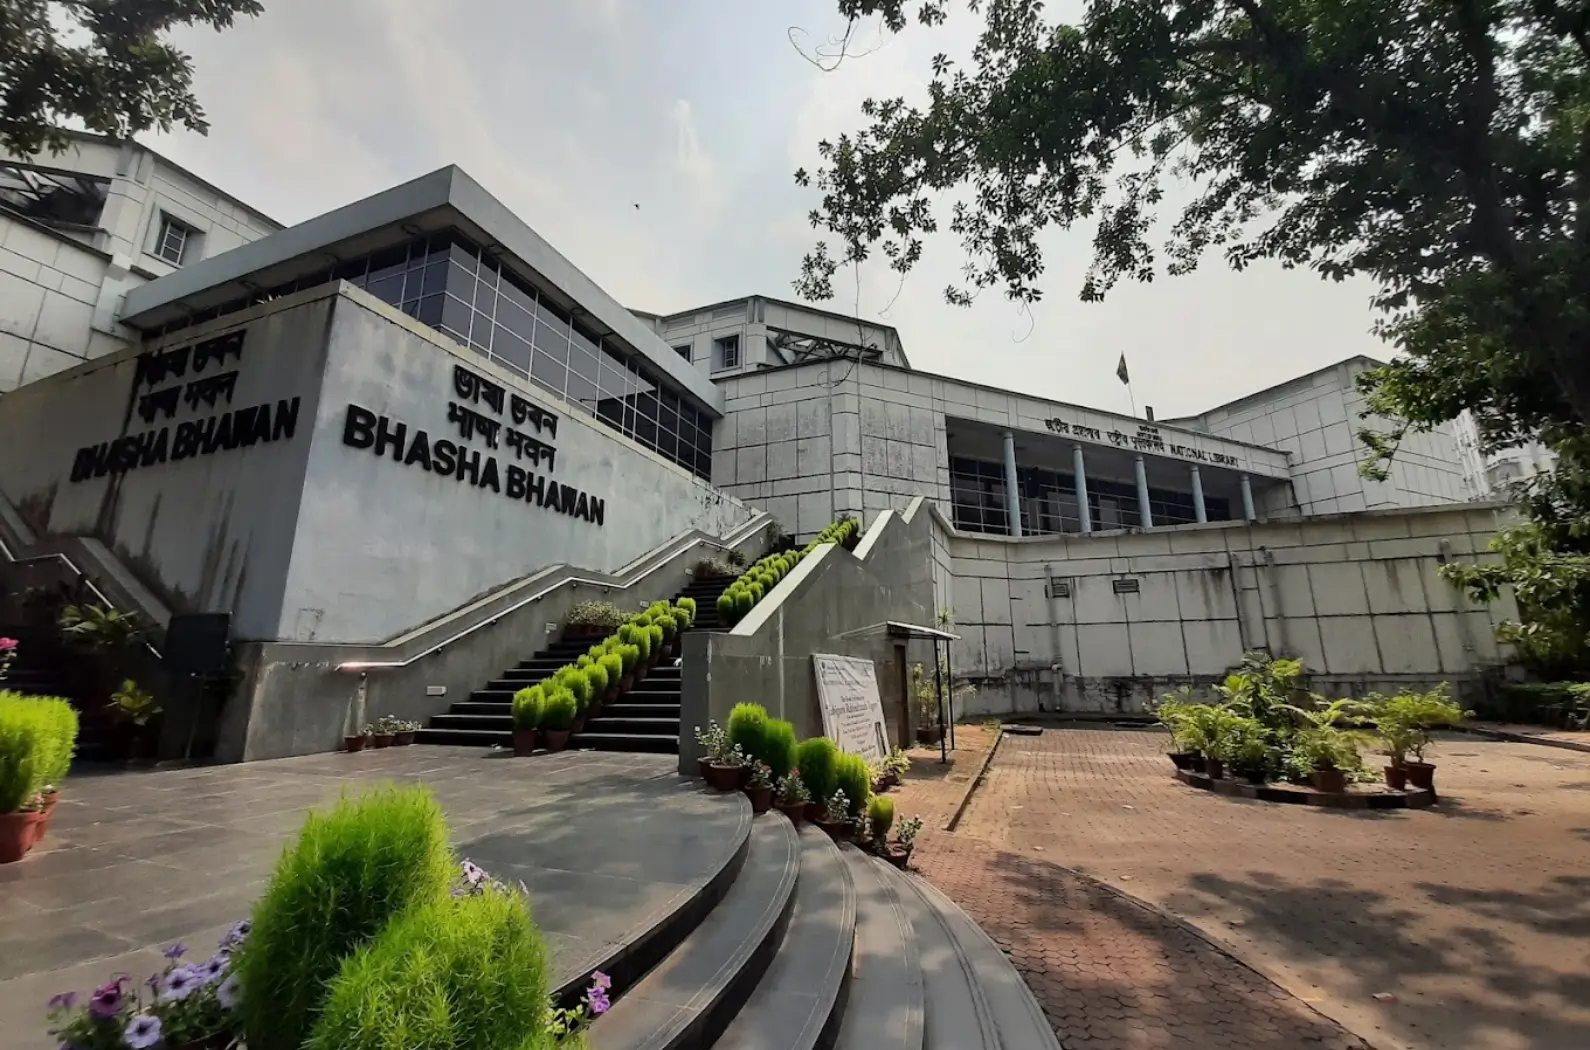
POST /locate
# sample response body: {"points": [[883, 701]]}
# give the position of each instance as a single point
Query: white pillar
{"points": [[1080, 469], [1248, 513], [1145, 518], [1012, 493], [1200, 514]]}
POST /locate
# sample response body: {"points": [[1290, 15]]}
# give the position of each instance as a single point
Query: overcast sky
{"points": [[699, 111]]}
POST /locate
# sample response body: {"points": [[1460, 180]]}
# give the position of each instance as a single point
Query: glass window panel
{"points": [[514, 319], [460, 282], [611, 411], [386, 263], [387, 289], [668, 445], [430, 310], [460, 254], [515, 292], [670, 400], [552, 339], [549, 314], [353, 268], [611, 381], [456, 315], [584, 362], [646, 405], [668, 420], [646, 432], [433, 279], [486, 294], [582, 391], [584, 338], [550, 372], [703, 463], [512, 350]]}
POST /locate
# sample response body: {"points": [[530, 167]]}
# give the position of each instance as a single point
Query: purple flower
{"points": [[230, 993], [597, 1000], [181, 983], [106, 1000], [176, 951], [142, 1032], [153, 981], [63, 1001], [236, 935], [600, 981], [474, 874], [213, 968]]}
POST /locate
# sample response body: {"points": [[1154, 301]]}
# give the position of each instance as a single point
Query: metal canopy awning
{"points": [[905, 632], [897, 629]]}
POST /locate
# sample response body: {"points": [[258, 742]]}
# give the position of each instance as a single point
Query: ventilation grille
{"points": [[1125, 586]]}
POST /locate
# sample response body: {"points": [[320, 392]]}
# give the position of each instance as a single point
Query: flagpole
{"points": [[1132, 398]]}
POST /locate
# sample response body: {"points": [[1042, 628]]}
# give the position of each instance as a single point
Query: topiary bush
{"points": [[655, 635], [727, 607], [559, 710], [689, 606], [596, 680], [748, 728], [630, 656], [613, 664], [54, 729], [880, 816], [778, 745], [527, 708], [464, 974], [578, 686], [349, 873], [23, 758], [852, 776], [642, 642], [816, 759]]}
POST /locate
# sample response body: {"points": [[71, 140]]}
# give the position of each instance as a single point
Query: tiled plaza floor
{"points": [[1465, 927], [136, 861]]}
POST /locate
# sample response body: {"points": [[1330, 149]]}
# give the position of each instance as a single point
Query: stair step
{"points": [[451, 720], [654, 743], [975, 999], [613, 724], [625, 709], [885, 1009], [688, 999], [465, 737], [801, 999], [479, 707]]}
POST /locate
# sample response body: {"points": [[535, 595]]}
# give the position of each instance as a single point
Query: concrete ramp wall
{"points": [[817, 608]]}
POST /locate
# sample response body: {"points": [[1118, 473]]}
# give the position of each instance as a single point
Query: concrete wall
{"points": [[755, 320], [1316, 418], [767, 658], [382, 546], [60, 290], [1356, 597], [825, 440], [208, 531]]}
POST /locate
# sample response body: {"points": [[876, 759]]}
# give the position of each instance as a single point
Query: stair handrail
{"points": [[659, 557], [103, 599]]}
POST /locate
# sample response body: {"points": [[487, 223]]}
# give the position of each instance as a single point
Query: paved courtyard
{"points": [[1466, 926]]}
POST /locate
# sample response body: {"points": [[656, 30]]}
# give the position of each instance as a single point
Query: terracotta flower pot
{"points": [[927, 734], [626, 683], [382, 740], [1214, 767], [17, 832], [1420, 775], [897, 855], [1186, 760], [403, 739], [524, 742], [726, 778], [579, 725], [841, 831], [761, 799], [795, 811], [814, 810], [891, 779], [1331, 781], [702, 765], [1252, 774], [354, 743], [1396, 777], [555, 739]]}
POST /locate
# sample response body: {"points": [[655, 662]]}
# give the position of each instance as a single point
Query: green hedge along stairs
{"points": [[644, 719]]}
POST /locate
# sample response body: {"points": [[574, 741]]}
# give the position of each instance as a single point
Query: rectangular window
{"points": [[726, 351], [173, 243], [683, 351]]}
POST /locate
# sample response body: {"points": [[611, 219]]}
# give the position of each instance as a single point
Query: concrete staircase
{"points": [[810, 944], [644, 719]]}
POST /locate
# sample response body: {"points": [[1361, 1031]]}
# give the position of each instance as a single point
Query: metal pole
{"points": [[938, 687], [949, 672]]}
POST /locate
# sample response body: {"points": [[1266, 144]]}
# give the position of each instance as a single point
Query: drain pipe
{"points": [[1057, 669], [1236, 601], [1280, 609]]}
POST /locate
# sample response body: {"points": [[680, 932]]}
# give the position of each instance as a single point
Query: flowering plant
{"points": [[8, 654], [183, 1003], [837, 808], [792, 789], [761, 776], [714, 740], [906, 831], [565, 1024]]}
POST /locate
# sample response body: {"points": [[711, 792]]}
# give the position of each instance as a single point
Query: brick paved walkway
{"points": [[1466, 926]]}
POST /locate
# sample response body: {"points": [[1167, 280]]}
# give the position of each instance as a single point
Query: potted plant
{"points": [[759, 787], [593, 619], [792, 797], [1329, 753], [558, 709], [1397, 727], [405, 733], [23, 759], [135, 711], [527, 704], [880, 818], [57, 721], [1425, 712], [1248, 751], [1174, 712], [383, 731], [613, 664], [356, 741], [835, 819], [726, 770], [899, 854], [711, 742]]}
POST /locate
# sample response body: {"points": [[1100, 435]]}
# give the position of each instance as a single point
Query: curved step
{"points": [[975, 998], [688, 998], [886, 1010], [801, 999], [658, 743]]}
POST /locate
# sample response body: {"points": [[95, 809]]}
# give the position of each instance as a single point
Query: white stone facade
{"points": [[61, 285], [745, 335]]}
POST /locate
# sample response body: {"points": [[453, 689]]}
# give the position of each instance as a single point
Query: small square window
{"points": [[726, 351], [173, 243], [683, 351]]}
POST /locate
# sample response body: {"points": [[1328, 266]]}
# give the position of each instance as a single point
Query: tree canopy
{"points": [[1439, 147], [102, 63]]}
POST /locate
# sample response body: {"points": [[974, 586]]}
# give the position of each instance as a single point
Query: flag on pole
{"points": [[1121, 373]]}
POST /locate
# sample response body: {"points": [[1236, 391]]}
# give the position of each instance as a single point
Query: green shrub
{"points": [[727, 607], [657, 637], [613, 664], [626, 634], [349, 873], [880, 814], [852, 776], [596, 614], [747, 728], [55, 724], [22, 760], [689, 606], [596, 680], [527, 707], [666, 623], [577, 685], [642, 642], [465, 974], [744, 600], [559, 710], [778, 747], [815, 758], [630, 656]]}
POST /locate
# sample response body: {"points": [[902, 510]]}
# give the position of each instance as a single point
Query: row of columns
{"points": [[1080, 470]]}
